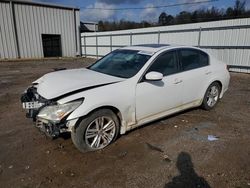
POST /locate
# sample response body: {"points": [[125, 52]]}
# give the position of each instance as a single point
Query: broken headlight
{"points": [[57, 112]]}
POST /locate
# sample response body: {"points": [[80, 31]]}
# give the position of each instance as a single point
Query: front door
{"points": [[155, 98]]}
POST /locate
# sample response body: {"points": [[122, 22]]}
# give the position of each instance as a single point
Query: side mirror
{"points": [[154, 76]]}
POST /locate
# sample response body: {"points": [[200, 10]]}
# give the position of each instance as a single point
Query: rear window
{"points": [[192, 59]]}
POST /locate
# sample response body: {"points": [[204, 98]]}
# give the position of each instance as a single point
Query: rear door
{"points": [[195, 73]]}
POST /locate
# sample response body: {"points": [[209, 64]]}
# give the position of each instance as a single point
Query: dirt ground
{"points": [[172, 152]]}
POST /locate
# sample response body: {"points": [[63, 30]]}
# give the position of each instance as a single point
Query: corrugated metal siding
{"points": [[31, 22], [78, 34], [227, 44], [7, 38]]}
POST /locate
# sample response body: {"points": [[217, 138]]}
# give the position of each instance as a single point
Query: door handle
{"points": [[177, 81], [208, 72]]}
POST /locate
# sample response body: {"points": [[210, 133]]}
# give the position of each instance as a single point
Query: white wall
{"points": [[228, 40]]}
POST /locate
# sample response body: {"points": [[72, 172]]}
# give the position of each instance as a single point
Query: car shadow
{"points": [[159, 83], [187, 178], [65, 135]]}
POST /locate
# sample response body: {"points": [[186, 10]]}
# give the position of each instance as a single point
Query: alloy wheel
{"points": [[212, 96], [100, 132]]}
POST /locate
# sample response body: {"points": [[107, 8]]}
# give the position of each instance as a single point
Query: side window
{"points": [[204, 60], [192, 59], [165, 64]]}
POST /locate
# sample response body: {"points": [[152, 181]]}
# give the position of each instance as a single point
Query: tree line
{"points": [[201, 15]]}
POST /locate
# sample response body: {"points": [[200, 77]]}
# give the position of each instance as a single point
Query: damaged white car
{"points": [[127, 88]]}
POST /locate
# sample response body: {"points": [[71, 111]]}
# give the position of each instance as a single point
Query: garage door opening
{"points": [[52, 45]]}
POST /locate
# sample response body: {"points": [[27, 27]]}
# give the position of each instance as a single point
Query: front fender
{"points": [[120, 96]]}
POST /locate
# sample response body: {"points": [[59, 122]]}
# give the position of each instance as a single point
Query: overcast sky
{"points": [[149, 14]]}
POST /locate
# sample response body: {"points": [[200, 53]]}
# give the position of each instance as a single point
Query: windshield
{"points": [[121, 63]]}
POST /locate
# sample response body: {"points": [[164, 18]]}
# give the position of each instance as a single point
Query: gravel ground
{"points": [[172, 152]]}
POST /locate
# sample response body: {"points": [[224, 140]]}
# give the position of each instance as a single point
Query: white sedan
{"points": [[125, 89]]}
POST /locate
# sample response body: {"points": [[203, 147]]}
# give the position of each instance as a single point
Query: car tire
{"points": [[96, 131], [212, 96]]}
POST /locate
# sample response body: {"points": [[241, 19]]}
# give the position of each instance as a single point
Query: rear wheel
{"points": [[212, 96], [96, 131]]}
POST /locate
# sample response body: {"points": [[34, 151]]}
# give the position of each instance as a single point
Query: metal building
{"points": [[89, 27], [36, 30]]}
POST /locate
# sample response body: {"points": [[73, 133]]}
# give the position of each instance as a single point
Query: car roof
{"points": [[151, 48]]}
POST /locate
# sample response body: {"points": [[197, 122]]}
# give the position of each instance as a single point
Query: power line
{"points": [[155, 7]]}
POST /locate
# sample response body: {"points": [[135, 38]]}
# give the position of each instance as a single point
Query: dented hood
{"points": [[56, 84]]}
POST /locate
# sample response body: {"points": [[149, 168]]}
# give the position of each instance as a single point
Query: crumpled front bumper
{"points": [[51, 129], [33, 103]]}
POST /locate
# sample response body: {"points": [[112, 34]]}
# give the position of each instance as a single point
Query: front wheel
{"points": [[212, 96], [96, 131]]}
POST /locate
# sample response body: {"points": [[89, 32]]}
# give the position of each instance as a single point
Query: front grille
{"points": [[33, 102], [32, 105]]}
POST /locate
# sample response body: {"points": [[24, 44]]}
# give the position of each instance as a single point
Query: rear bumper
{"points": [[225, 84]]}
